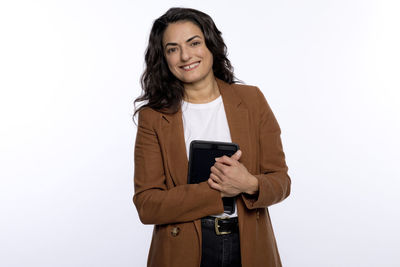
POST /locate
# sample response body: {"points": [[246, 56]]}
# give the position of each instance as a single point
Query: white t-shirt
{"points": [[206, 122]]}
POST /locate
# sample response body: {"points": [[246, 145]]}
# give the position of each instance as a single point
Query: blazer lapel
{"points": [[175, 147], [238, 119]]}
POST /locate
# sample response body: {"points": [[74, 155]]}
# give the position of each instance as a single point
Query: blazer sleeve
{"points": [[156, 202], [273, 179]]}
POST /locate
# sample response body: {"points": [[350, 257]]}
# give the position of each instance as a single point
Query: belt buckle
{"points": [[217, 231]]}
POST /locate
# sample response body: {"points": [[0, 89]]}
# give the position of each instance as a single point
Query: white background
{"points": [[69, 72]]}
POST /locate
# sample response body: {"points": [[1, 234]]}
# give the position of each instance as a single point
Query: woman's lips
{"points": [[190, 67]]}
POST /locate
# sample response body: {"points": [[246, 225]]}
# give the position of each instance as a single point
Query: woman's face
{"points": [[186, 52]]}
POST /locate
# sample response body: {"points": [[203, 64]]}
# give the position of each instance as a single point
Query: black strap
{"points": [[229, 207]]}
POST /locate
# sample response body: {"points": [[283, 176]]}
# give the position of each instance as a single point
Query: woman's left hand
{"points": [[231, 177]]}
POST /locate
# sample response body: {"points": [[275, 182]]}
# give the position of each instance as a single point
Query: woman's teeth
{"points": [[191, 66]]}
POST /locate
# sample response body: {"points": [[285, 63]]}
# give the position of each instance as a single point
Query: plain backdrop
{"points": [[70, 70]]}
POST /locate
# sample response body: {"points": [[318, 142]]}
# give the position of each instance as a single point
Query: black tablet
{"points": [[202, 156]]}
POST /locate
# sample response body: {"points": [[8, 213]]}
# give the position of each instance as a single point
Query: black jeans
{"points": [[219, 250]]}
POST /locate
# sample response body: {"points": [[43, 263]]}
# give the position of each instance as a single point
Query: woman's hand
{"points": [[231, 177]]}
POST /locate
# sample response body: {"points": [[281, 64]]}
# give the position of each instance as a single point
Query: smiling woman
{"points": [[191, 95], [162, 89], [187, 55]]}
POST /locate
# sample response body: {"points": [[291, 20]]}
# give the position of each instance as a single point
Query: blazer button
{"points": [[258, 214], [175, 231]]}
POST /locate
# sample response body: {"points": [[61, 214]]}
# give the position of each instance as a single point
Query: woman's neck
{"points": [[202, 92]]}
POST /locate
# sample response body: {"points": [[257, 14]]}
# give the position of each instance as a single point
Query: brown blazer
{"points": [[163, 197]]}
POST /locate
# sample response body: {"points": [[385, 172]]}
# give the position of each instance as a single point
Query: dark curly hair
{"points": [[161, 89]]}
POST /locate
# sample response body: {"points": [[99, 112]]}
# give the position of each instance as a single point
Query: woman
{"points": [[190, 93]]}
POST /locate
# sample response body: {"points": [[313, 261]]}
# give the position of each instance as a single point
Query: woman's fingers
{"points": [[237, 155], [225, 160], [218, 170], [224, 193], [228, 175], [214, 185], [230, 160], [215, 178]]}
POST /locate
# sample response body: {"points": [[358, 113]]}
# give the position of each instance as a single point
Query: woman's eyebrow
{"points": [[188, 40], [191, 38]]}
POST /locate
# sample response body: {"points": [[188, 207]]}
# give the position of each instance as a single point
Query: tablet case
{"points": [[202, 156]]}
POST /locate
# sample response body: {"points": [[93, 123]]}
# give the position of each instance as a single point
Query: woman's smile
{"points": [[191, 66]]}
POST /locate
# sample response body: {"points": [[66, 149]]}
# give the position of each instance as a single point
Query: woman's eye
{"points": [[171, 50], [195, 43]]}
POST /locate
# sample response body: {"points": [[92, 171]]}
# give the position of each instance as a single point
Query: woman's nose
{"points": [[185, 54]]}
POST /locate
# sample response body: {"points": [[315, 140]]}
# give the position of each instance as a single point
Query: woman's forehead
{"points": [[180, 32]]}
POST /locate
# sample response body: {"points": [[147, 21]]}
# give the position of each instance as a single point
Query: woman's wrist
{"points": [[253, 185]]}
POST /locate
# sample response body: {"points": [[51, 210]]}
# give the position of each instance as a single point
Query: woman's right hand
{"points": [[231, 177]]}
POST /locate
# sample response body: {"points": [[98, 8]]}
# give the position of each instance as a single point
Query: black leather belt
{"points": [[222, 226]]}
